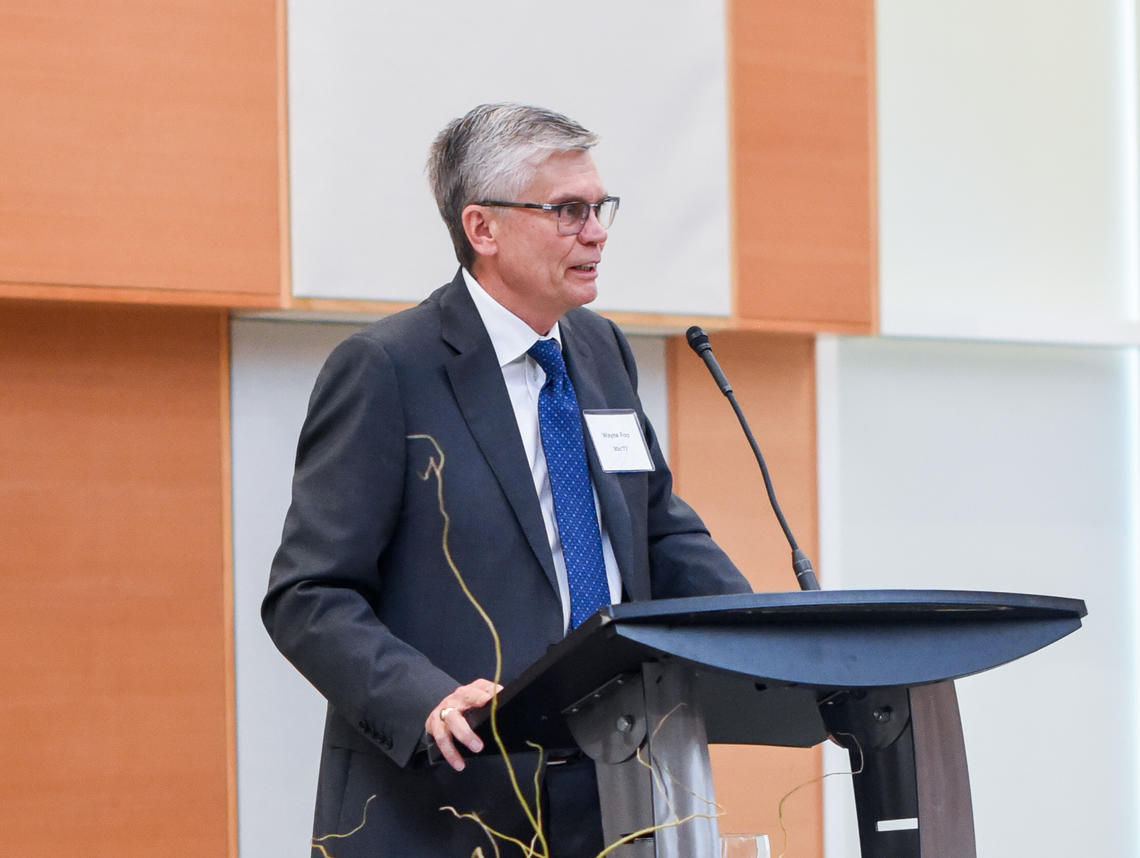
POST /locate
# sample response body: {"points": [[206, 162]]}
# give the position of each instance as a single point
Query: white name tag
{"points": [[618, 440]]}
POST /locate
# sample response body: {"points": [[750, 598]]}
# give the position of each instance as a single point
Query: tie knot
{"points": [[549, 357]]}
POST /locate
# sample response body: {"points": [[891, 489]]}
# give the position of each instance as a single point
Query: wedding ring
{"points": [[443, 712]]}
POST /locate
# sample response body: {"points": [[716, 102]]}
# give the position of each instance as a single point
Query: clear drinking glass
{"points": [[744, 846]]}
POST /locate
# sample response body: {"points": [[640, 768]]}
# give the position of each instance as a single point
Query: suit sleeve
{"points": [[683, 558], [347, 491]]}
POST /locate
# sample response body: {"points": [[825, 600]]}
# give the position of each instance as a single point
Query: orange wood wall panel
{"points": [[773, 377], [141, 146], [804, 226], [114, 710]]}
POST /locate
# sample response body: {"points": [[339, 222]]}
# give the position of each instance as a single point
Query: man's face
{"points": [[544, 274]]}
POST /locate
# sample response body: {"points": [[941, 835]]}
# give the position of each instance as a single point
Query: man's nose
{"points": [[592, 230]]}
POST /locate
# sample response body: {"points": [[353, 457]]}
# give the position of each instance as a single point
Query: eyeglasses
{"points": [[571, 216]]}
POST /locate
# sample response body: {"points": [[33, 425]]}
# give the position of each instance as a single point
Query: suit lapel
{"points": [[589, 388], [477, 382]]}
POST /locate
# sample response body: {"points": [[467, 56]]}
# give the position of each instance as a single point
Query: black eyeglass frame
{"points": [[573, 227]]}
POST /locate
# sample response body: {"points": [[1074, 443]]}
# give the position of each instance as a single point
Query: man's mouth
{"points": [[588, 266]]}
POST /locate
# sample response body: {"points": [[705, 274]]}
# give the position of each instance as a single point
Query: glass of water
{"points": [[744, 846]]}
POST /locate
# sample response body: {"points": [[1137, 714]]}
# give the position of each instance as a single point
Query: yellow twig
{"points": [[820, 779], [491, 833], [542, 850], [660, 771], [436, 467], [652, 829], [315, 843], [538, 782]]}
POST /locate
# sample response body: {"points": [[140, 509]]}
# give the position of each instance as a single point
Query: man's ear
{"points": [[480, 230]]}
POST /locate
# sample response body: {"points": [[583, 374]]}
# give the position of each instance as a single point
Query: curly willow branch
{"points": [[659, 772], [820, 779], [316, 842], [538, 847], [435, 466]]}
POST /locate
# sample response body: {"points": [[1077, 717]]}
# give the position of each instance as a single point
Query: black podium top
{"points": [[764, 661]]}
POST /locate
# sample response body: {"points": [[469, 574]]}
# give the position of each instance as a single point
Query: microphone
{"points": [[801, 565], [699, 342]]}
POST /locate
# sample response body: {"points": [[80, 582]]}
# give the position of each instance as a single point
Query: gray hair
{"points": [[491, 153]]}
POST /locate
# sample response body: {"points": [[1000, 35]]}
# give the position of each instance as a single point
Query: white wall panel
{"points": [[371, 84], [1009, 468], [279, 715], [1007, 166], [649, 352]]}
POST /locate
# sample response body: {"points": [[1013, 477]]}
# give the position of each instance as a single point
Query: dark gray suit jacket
{"points": [[361, 599]]}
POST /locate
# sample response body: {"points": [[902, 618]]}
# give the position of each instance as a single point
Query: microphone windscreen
{"points": [[698, 339]]}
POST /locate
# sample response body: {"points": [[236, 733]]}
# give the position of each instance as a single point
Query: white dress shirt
{"points": [[511, 337]]}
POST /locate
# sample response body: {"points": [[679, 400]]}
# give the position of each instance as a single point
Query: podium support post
{"points": [[912, 787], [647, 738]]}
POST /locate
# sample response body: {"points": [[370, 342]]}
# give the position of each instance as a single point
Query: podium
{"points": [[642, 688]]}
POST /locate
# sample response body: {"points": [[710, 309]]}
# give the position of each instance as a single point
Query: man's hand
{"points": [[446, 724]]}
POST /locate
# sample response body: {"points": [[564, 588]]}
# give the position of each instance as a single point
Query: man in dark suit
{"points": [[362, 598]]}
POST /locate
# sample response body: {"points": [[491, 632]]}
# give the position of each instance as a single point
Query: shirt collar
{"points": [[510, 335]]}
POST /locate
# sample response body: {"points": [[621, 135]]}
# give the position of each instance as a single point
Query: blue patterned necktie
{"points": [[561, 426]]}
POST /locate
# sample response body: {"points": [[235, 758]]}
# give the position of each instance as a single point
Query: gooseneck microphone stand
{"points": [[801, 565]]}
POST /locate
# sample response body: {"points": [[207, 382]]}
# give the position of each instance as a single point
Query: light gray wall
{"points": [[371, 84], [279, 715], [1007, 166], [1005, 468], [961, 456]]}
